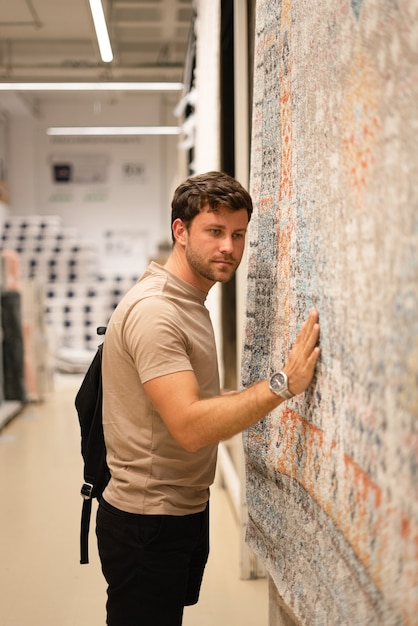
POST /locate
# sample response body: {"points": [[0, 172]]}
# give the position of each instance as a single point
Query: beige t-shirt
{"points": [[161, 326]]}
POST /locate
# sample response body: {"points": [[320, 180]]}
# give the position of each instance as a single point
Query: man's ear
{"points": [[179, 231]]}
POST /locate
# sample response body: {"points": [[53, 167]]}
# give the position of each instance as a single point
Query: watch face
{"points": [[279, 385], [278, 382], [280, 379]]}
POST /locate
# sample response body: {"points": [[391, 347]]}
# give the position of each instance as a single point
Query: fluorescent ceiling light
{"points": [[104, 86], [101, 30], [114, 130]]}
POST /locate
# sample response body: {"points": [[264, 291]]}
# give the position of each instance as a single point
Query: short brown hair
{"points": [[212, 188]]}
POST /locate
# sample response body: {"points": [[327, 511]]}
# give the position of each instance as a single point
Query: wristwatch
{"points": [[278, 385]]}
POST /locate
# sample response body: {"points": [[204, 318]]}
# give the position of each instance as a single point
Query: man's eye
{"points": [[215, 231], [238, 235]]}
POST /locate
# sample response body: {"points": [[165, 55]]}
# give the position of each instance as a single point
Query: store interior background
{"points": [[81, 216], [115, 203], [107, 198], [110, 194]]}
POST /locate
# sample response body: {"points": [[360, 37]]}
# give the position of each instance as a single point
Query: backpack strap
{"points": [[84, 531], [96, 474]]}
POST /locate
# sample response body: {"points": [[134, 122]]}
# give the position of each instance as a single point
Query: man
{"points": [[163, 414]]}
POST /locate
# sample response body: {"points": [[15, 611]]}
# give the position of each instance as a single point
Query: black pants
{"points": [[153, 564]]}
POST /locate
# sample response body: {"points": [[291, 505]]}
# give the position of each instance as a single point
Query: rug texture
{"points": [[332, 481]]}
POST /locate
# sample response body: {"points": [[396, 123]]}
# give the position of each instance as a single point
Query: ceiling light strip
{"points": [[102, 86], [112, 130], [101, 30]]}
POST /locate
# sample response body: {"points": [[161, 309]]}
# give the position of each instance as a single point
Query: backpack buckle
{"points": [[87, 491]]}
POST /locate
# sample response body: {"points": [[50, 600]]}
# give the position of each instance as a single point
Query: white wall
{"points": [[22, 170], [136, 175], [207, 147], [207, 140]]}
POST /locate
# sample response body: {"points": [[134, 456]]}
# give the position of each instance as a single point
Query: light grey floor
{"points": [[41, 580]]}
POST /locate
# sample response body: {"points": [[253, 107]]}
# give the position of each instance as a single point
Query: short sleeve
{"points": [[154, 338]]}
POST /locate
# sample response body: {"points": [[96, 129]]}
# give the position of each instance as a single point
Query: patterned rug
{"points": [[332, 480]]}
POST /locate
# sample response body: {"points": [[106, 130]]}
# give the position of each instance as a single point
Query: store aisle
{"points": [[41, 580]]}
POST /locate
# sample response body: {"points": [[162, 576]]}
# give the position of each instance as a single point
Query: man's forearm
{"points": [[216, 419], [196, 422]]}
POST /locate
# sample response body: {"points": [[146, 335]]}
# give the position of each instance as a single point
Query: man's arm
{"points": [[196, 423]]}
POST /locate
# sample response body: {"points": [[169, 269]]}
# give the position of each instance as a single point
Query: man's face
{"points": [[215, 244]]}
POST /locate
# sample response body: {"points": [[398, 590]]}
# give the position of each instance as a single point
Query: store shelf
{"points": [[8, 410]]}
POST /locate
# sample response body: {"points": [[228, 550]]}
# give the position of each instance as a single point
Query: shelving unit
{"points": [[8, 410], [65, 295]]}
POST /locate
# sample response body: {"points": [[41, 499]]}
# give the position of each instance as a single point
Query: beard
{"points": [[209, 269]]}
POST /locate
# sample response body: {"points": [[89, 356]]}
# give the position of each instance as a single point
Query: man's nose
{"points": [[227, 244]]}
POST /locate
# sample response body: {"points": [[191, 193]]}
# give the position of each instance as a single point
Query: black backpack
{"points": [[88, 403]]}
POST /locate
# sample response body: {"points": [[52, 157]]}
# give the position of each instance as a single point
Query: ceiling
{"points": [[54, 40]]}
